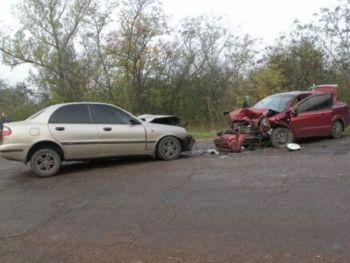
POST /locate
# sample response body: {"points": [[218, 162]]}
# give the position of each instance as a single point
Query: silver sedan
{"points": [[87, 130]]}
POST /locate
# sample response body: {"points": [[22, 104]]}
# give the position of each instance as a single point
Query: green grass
{"points": [[206, 131], [347, 130], [203, 134]]}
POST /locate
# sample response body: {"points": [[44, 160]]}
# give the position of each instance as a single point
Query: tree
{"points": [[292, 64], [47, 40], [136, 46], [17, 101], [331, 32], [212, 62], [98, 59]]}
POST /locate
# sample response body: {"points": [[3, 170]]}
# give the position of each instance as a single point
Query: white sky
{"points": [[264, 19]]}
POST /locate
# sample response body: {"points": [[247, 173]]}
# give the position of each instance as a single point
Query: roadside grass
{"points": [[347, 130], [198, 135], [201, 132]]}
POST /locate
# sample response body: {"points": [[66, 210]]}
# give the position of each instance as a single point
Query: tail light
{"points": [[6, 131]]}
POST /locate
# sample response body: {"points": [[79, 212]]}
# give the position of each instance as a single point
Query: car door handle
{"points": [[107, 129], [59, 128]]}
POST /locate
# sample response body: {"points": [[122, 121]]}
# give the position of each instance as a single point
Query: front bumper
{"points": [[187, 143], [229, 142]]}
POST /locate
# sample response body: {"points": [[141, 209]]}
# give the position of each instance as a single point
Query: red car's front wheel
{"points": [[280, 137]]}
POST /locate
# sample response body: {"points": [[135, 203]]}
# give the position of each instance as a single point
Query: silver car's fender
{"points": [[156, 132]]}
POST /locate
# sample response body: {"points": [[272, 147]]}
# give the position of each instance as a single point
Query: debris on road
{"points": [[293, 147]]}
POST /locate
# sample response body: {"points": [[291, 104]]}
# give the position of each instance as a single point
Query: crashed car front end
{"points": [[187, 143], [249, 128], [282, 118]]}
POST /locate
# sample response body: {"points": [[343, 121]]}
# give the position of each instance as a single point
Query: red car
{"points": [[282, 118]]}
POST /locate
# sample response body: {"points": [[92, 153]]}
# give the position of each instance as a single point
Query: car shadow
{"points": [[81, 166], [313, 140], [74, 167]]}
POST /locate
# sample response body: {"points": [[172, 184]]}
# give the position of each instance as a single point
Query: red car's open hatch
{"points": [[327, 88]]}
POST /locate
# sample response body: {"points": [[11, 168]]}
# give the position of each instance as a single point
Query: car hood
{"points": [[247, 114], [160, 129], [161, 119]]}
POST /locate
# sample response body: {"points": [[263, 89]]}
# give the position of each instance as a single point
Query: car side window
{"points": [[75, 113], [317, 102], [106, 114]]}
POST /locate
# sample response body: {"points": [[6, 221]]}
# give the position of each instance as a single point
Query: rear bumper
{"points": [[16, 152]]}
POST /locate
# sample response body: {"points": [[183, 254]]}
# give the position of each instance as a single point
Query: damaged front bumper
{"points": [[229, 142], [187, 143], [249, 128], [241, 136]]}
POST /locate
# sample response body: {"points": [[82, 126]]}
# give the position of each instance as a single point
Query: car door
{"points": [[313, 116], [71, 125], [119, 132]]}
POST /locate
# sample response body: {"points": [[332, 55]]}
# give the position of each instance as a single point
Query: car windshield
{"points": [[278, 102]]}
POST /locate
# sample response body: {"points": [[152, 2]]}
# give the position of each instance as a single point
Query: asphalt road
{"points": [[266, 205]]}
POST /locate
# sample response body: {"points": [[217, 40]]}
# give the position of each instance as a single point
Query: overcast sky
{"points": [[264, 19]]}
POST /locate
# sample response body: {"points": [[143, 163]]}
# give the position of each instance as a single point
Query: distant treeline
{"points": [[126, 54]]}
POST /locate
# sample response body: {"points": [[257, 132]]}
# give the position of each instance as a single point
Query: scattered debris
{"points": [[212, 152], [293, 147], [204, 152]]}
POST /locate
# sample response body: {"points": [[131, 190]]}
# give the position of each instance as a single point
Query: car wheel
{"points": [[280, 137], [337, 129], [169, 148], [45, 162]]}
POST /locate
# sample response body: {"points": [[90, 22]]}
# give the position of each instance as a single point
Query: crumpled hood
{"points": [[247, 114]]}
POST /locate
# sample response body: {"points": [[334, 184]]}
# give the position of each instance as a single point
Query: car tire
{"points": [[169, 148], [45, 162], [280, 137], [337, 129]]}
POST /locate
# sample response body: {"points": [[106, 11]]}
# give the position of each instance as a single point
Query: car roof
{"points": [[79, 102], [295, 93], [46, 112]]}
